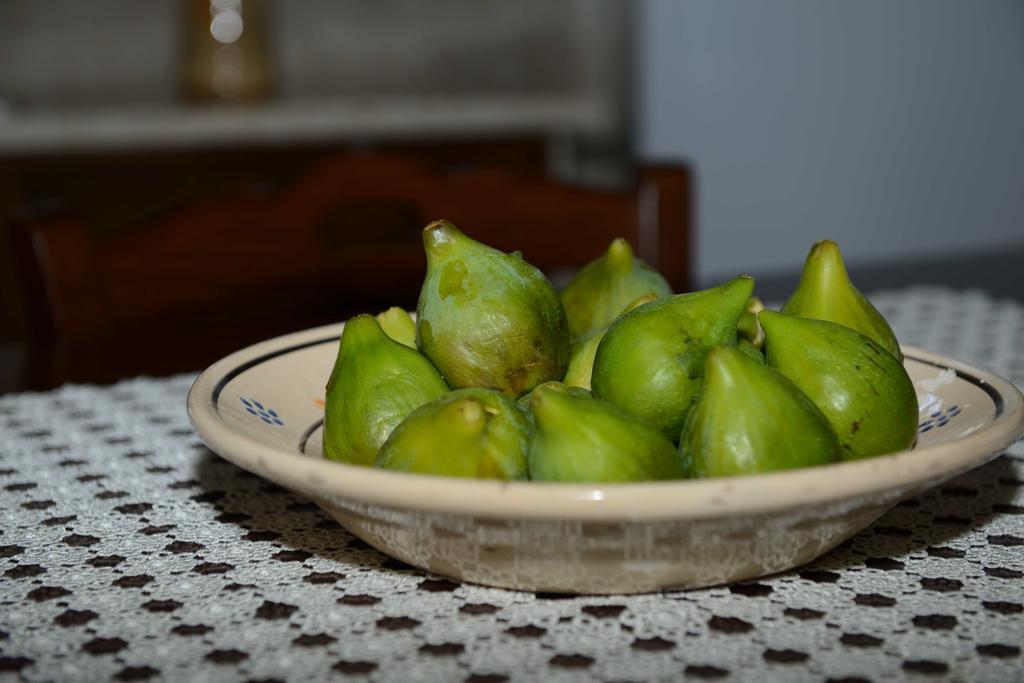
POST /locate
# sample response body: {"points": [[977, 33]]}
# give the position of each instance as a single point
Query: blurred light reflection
{"points": [[226, 25], [227, 77]]}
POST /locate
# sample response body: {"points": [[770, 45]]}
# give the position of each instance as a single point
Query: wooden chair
{"points": [[203, 280]]}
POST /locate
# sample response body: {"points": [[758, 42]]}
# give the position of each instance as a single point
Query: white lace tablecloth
{"points": [[128, 551]]}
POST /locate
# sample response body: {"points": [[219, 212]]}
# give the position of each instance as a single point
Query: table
{"points": [[128, 551]]}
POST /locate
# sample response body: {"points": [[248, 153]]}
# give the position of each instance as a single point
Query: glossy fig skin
{"points": [[581, 356], [375, 383], [603, 288], [581, 360], [865, 393], [582, 439], [488, 319], [399, 325], [473, 433], [750, 351], [826, 293], [651, 360], [525, 400], [751, 419]]}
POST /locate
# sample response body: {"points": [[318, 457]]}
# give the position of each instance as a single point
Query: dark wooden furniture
{"points": [[202, 280]]}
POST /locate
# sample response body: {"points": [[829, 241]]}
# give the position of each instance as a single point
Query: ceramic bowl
{"points": [[262, 409]]}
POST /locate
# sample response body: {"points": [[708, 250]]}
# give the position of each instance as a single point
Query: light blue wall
{"points": [[893, 126]]}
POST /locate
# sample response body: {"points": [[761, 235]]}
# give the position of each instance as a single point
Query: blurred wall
{"points": [[68, 53], [896, 128], [61, 53]]}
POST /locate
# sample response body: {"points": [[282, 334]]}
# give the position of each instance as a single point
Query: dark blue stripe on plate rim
{"points": [[253, 362]]}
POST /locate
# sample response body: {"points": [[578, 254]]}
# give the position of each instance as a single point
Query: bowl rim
{"points": [[660, 500]]}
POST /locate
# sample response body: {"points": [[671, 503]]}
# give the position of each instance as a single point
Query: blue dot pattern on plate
{"points": [[268, 415], [938, 418]]}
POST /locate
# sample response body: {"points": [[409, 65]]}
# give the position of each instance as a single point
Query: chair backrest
{"points": [[178, 292]]}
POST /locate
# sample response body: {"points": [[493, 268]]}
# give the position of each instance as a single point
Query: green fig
{"points": [[579, 439], [399, 325], [375, 383], [651, 360], [525, 401], [476, 433], [826, 293], [748, 327], [488, 319], [750, 350], [750, 419], [862, 389], [600, 291], [581, 357]]}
